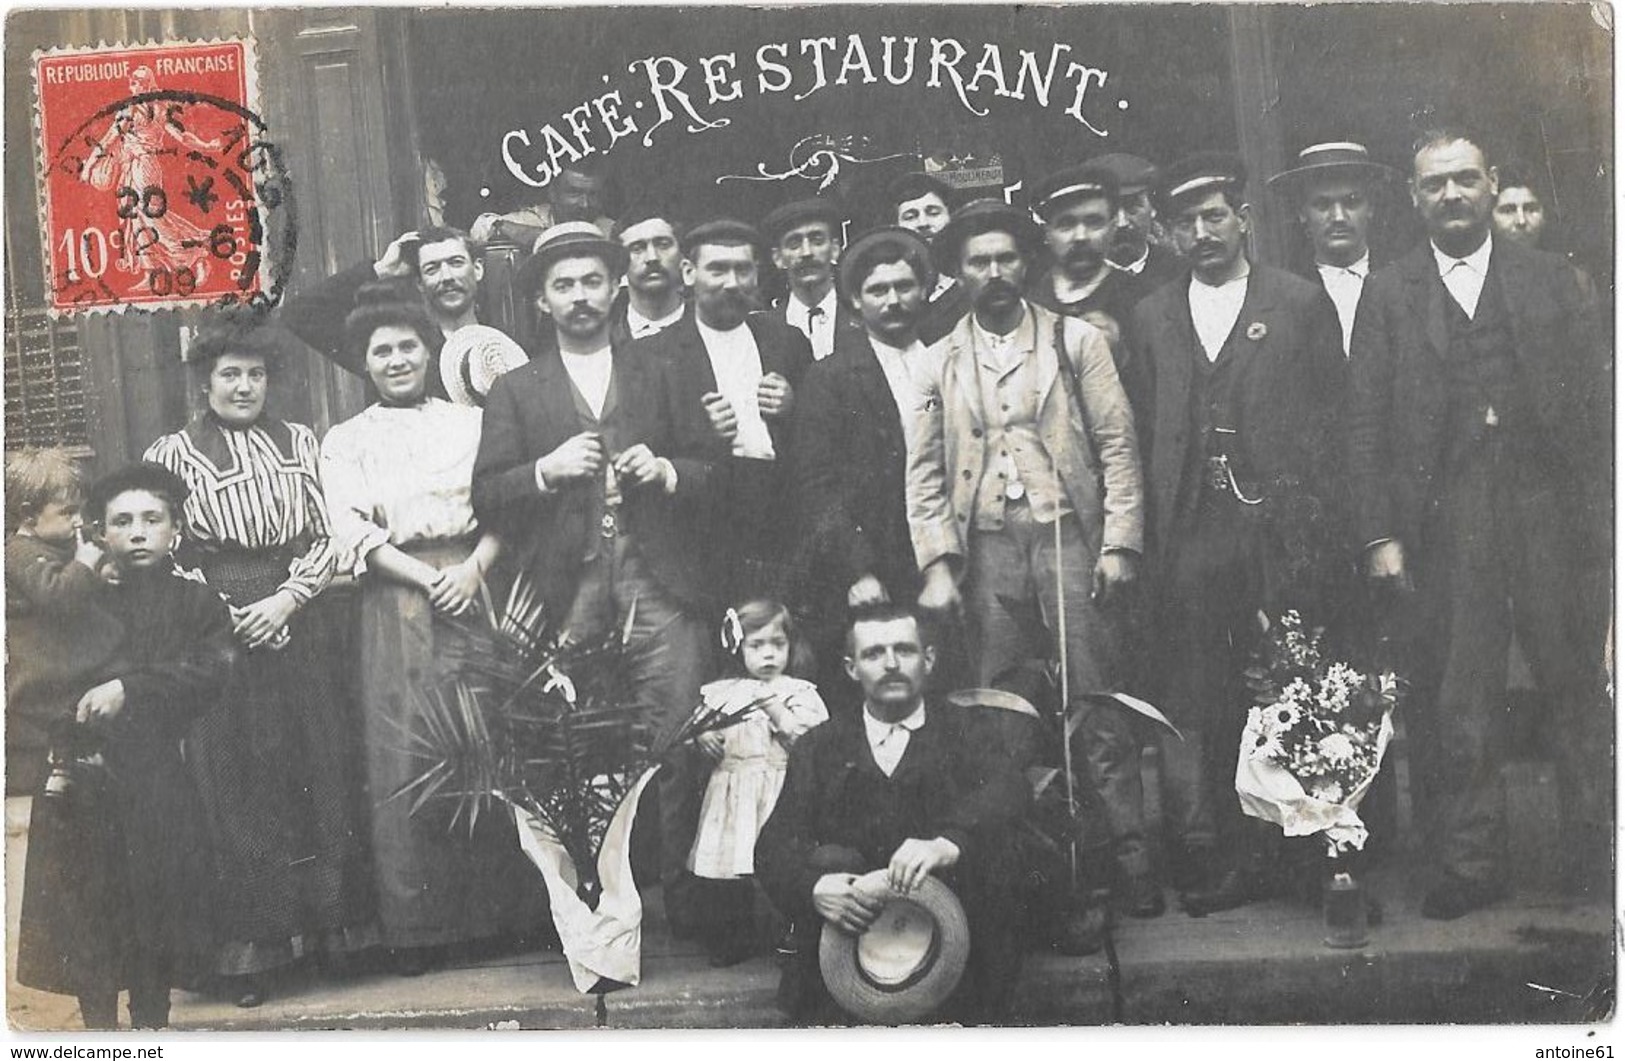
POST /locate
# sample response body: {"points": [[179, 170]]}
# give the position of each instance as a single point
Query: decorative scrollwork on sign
{"points": [[818, 158]]}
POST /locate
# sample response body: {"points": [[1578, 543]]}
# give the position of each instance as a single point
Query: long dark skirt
{"points": [[276, 766], [437, 882], [113, 889]]}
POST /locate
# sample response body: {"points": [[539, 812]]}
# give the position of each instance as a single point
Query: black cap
{"points": [[1090, 180], [1204, 171], [1133, 173], [725, 230], [981, 216], [800, 212], [913, 247]]}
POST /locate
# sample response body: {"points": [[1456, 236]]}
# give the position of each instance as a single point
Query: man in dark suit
{"points": [[924, 205], [805, 240], [1334, 189], [909, 785], [1481, 460], [1077, 205], [600, 499], [855, 412], [1240, 354], [1133, 249], [733, 375], [655, 296]]}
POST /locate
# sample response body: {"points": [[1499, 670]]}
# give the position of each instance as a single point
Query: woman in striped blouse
{"points": [[274, 763]]}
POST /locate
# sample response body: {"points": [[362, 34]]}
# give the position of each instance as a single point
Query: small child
{"points": [[58, 641], [116, 859], [751, 758]]}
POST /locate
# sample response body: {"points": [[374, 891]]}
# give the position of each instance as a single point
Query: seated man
{"points": [[908, 786]]}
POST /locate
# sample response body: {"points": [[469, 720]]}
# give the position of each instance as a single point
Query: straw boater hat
{"points": [[907, 963], [1342, 158], [472, 359], [567, 240]]}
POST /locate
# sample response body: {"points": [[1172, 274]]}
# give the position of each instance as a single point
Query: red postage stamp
{"points": [[158, 183]]}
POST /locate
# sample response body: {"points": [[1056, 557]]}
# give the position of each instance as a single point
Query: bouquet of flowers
{"points": [[549, 726], [1315, 737]]}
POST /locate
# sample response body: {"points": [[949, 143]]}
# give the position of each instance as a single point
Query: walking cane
{"points": [[1066, 707]]}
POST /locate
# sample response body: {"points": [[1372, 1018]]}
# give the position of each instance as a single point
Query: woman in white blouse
{"points": [[397, 483]]}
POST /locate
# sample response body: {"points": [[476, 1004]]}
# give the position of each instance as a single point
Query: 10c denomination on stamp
{"points": [[158, 184]]}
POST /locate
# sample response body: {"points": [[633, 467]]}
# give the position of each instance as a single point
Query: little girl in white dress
{"points": [[751, 757]]}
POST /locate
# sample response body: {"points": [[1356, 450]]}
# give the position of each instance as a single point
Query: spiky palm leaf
{"points": [[543, 722]]}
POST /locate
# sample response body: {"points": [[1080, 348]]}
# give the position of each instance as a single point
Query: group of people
{"points": [[964, 445]]}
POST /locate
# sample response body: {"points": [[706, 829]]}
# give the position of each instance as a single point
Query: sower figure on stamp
{"points": [[602, 500], [910, 785], [857, 412], [447, 268], [1241, 355], [1480, 453], [1025, 473]]}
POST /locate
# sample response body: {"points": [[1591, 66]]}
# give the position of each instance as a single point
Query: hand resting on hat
{"points": [[915, 860], [841, 899]]}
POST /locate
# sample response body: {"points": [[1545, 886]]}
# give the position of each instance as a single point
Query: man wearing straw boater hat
{"points": [[1335, 190], [593, 491], [1025, 506], [894, 826], [1242, 356]]}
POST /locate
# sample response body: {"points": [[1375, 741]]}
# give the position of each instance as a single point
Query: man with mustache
{"points": [[1132, 249], [924, 205], [855, 414], [599, 497], [1334, 188], [1244, 359], [446, 266], [734, 373], [1481, 456], [1025, 471], [576, 193], [806, 240], [654, 296], [1078, 206]]}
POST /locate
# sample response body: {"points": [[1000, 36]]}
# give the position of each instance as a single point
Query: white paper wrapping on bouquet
{"points": [[1270, 792], [607, 942]]}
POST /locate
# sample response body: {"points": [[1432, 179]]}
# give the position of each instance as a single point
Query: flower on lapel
{"points": [[1257, 331]]}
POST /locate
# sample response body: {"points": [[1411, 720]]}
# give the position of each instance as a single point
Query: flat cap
{"points": [[915, 250], [1204, 171], [1133, 173], [1090, 180], [803, 211], [723, 230]]}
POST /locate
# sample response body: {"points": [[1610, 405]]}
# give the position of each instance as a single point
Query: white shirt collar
{"points": [[1478, 261], [1137, 266], [913, 721], [1361, 268], [639, 325], [889, 740], [828, 304]]}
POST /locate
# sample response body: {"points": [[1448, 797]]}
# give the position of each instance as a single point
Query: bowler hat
{"points": [[803, 211], [908, 961], [1089, 179], [1342, 158], [1133, 173], [981, 216], [1203, 172], [569, 239], [915, 248]]}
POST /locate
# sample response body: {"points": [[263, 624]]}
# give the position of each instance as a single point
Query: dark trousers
{"points": [[985, 888], [1504, 562], [1011, 601], [668, 658], [1211, 595], [149, 979]]}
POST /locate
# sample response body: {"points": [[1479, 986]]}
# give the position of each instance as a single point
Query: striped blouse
{"points": [[255, 488]]}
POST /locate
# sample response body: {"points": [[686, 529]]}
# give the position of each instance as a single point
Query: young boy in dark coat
{"points": [[111, 896]]}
